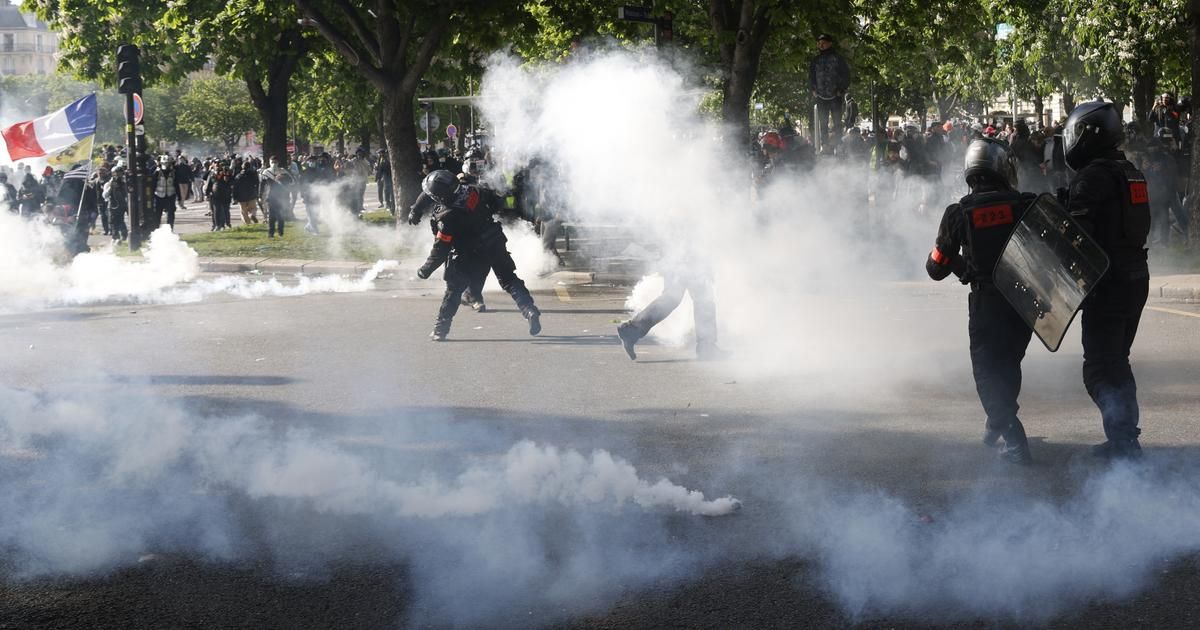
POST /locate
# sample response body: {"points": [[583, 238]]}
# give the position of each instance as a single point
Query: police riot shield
{"points": [[1048, 267]]}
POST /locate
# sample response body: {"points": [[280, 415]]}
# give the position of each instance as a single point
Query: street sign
{"points": [[291, 146], [635, 14], [451, 131], [139, 129], [138, 109]]}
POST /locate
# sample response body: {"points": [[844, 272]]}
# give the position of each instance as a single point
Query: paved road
{"points": [[304, 434]]}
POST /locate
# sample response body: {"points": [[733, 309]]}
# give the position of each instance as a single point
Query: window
{"points": [[8, 43], [38, 45]]}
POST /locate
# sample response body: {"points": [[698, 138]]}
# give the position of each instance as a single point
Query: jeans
{"points": [[825, 110], [276, 216], [699, 286]]}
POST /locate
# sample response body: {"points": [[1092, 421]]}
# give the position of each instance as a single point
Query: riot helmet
{"points": [[987, 159], [440, 185], [1091, 130]]}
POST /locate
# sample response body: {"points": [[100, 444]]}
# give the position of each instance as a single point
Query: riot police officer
{"points": [[470, 242], [971, 237], [1108, 196]]}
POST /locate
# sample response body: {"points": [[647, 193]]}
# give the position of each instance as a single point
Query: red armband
{"points": [[938, 257], [443, 237]]}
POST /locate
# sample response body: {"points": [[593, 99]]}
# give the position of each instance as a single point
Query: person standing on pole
{"points": [[829, 80]]}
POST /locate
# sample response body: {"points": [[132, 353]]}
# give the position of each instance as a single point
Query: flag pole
{"points": [[91, 157]]}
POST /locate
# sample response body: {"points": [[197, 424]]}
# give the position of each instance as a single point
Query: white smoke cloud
{"points": [[631, 149], [93, 482], [35, 273]]}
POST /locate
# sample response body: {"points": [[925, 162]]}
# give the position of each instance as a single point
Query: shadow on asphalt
{"points": [[208, 379]]}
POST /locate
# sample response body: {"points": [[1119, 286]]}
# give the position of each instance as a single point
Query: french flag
{"points": [[53, 132]]}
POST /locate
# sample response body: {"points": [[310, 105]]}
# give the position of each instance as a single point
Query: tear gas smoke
{"points": [[31, 276], [623, 133], [92, 482], [328, 201], [630, 149], [140, 474], [998, 555]]}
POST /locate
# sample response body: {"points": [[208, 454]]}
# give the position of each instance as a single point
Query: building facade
{"points": [[27, 45]]}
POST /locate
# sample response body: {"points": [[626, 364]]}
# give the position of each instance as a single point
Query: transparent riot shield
{"points": [[1048, 267]]}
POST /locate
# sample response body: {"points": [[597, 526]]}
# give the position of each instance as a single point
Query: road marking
{"points": [[1172, 311], [563, 295]]}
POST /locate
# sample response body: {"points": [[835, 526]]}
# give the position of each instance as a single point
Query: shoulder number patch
{"points": [[991, 216], [1138, 194]]}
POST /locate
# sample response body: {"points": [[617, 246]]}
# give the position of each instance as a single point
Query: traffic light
{"points": [[129, 70]]}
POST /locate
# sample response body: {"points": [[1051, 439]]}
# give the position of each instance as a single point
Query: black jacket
{"points": [[973, 232], [466, 227], [829, 75], [1110, 199], [245, 186]]}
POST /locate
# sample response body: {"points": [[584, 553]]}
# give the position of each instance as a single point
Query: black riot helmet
{"points": [[440, 185], [1091, 130], [987, 160]]}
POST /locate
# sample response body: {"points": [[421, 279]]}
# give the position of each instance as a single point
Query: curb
{"points": [[1176, 288]]}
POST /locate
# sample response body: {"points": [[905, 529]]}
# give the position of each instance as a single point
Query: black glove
{"points": [[1064, 196], [424, 273], [414, 218]]}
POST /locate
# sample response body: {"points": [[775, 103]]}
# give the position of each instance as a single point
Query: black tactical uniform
{"points": [[970, 239], [473, 296], [1108, 197], [470, 242]]}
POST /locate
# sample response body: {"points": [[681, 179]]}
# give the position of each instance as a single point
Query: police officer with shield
{"points": [[1108, 196], [971, 237]]}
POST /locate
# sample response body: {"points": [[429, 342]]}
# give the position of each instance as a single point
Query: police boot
{"points": [[474, 301], [1016, 445], [629, 335], [440, 331], [1118, 449], [532, 314]]}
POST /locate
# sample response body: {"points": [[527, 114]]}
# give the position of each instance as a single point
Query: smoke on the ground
{"points": [[37, 273], [92, 482]]}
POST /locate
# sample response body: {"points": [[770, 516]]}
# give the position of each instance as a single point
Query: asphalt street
{"points": [[871, 404]]}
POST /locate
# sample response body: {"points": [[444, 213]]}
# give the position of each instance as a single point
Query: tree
{"points": [[216, 108], [180, 37], [741, 30], [392, 44], [1126, 44], [268, 49], [332, 100]]}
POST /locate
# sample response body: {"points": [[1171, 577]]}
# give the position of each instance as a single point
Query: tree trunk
{"points": [[272, 106], [1194, 211], [400, 137], [1039, 107], [1068, 99], [364, 135], [1145, 83], [271, 99], [749, 25], [944, 105]]}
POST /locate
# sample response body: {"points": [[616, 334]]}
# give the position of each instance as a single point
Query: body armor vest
{"points": [[990, 219]]}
